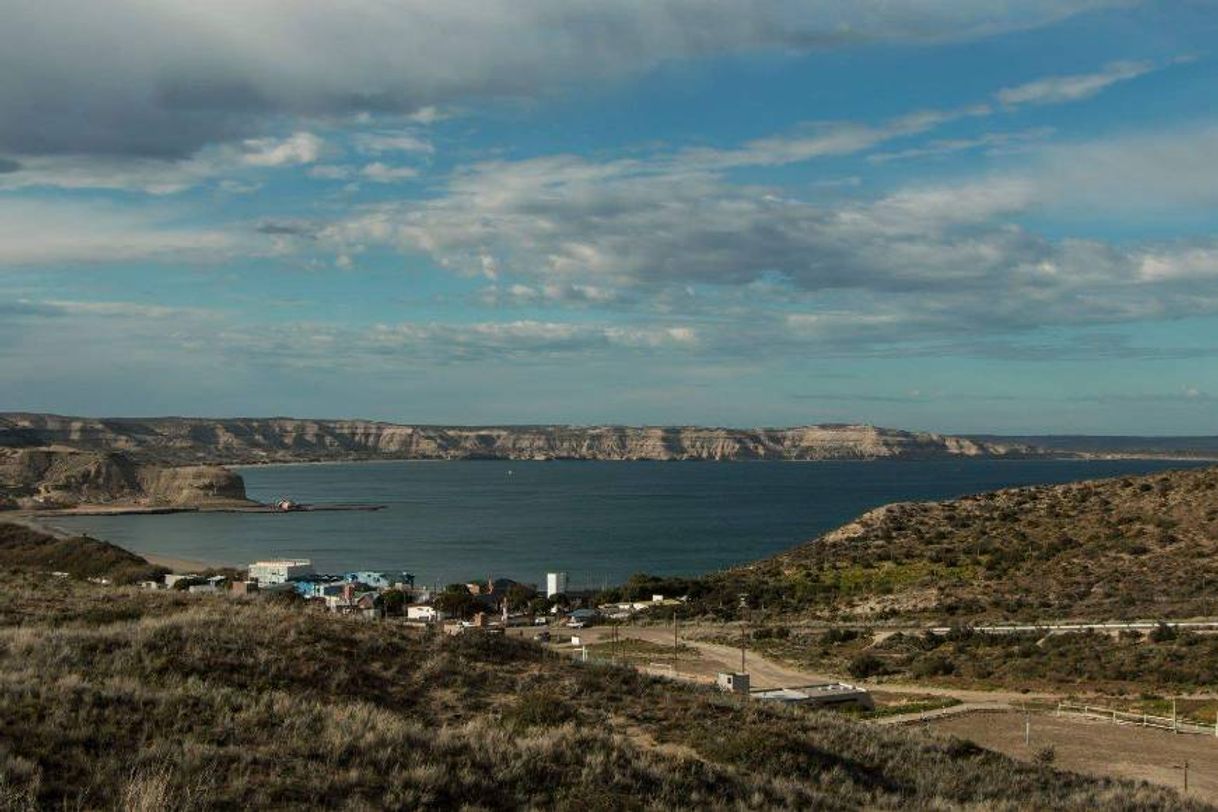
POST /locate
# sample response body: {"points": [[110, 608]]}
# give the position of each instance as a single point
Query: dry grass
{"points": [[172, 701], [1131, 547]]}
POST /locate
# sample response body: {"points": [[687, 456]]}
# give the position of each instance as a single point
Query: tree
{"points": [[394, 601], [457, 603], [518, 597]]}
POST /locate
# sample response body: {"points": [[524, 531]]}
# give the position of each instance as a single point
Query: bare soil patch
{"points": [[1094, 747]]}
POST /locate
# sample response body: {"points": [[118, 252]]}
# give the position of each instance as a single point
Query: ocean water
{"points": [[598, 521]]}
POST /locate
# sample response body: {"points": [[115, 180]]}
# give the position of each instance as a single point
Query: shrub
{"points": [[934, 665], [866, 665]]}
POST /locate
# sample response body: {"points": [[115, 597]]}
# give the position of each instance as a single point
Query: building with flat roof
{"points": [[281, 570], [381, 579], [556, 584], [826, 695]]}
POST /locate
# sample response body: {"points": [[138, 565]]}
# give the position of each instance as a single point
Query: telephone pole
{"points": [[744, 602], [676, 644]]}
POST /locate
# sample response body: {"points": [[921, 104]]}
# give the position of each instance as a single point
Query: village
{"points": [[559, 617]]}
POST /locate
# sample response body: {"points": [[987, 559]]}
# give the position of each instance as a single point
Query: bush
{"points": [[538, 709], [934, 665], [1045, 756], [866, 665]]}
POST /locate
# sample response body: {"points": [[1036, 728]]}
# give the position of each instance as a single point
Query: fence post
{"points": [[1175, 725], [1114, 719]]}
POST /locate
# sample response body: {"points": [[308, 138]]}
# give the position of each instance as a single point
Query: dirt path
{"points": [[767, 673], [942, 713]]}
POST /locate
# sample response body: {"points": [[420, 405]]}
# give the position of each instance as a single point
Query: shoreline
{"points": [[173, 563]]}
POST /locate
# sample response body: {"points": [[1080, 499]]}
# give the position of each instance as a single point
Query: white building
{"points": [[556, 584], [173, 577], [277, 572], [427, 613]]}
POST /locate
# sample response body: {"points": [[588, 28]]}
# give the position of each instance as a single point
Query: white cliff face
{"points": [[183, 440]]}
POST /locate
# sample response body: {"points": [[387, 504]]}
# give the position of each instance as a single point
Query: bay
{"points": [[598, 521]]}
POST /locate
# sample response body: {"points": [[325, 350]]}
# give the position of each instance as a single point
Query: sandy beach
{"points": [[177, 565]]}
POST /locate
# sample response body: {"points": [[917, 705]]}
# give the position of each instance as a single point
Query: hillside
{"points": [[1116, 548], [35, 478], [79, 557], [113, 698], [178, 440]]}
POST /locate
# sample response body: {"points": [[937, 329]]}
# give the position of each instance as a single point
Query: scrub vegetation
{"points": [[1124, 548], [112, 697]]}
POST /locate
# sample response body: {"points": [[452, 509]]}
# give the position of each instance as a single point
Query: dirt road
{"points": [[765, 673]]}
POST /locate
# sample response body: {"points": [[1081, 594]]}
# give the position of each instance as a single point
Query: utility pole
{"points": [[676, 621], [743, 631]]}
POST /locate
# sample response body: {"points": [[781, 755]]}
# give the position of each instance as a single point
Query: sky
{"points": [[948, 215]]}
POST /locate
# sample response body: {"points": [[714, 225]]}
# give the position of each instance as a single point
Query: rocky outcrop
{"points": [[175, 440], [59, 477]]}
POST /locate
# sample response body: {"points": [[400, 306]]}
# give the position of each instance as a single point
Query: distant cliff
{"points": [[177, 441], [62, 477]]}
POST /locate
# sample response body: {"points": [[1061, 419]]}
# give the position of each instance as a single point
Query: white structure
{"points": [[556, 584], [427, 613], [733, 682], [277, 572], [828, 694]]}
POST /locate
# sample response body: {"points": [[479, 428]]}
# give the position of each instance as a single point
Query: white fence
{"points": [[1120, 717]]}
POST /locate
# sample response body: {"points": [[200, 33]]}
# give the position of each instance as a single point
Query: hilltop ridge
{"points": [[183, 440]]}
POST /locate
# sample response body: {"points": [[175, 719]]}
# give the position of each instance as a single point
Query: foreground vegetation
{"points": [[1131, 547], [111, 697]]}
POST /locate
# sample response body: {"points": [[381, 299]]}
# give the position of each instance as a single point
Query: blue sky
{"points": [[977, 216]]}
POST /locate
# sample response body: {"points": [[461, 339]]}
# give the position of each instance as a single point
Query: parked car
{"points": [[576, 624], [541, 621]]}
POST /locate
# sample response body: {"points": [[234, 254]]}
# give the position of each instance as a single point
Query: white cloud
{"points": [[231, 164], [378, 172], [330, 172], [35, 233], [924, 260], [1059, 89], [992, 143], [378, 142], [299, 148], [163, 79]]}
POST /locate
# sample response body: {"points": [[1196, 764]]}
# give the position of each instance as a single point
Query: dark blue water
{"points": [[599, 521]]}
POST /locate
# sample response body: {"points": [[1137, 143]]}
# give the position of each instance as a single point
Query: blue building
{"points": [[378, 579], [319, 586]]}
